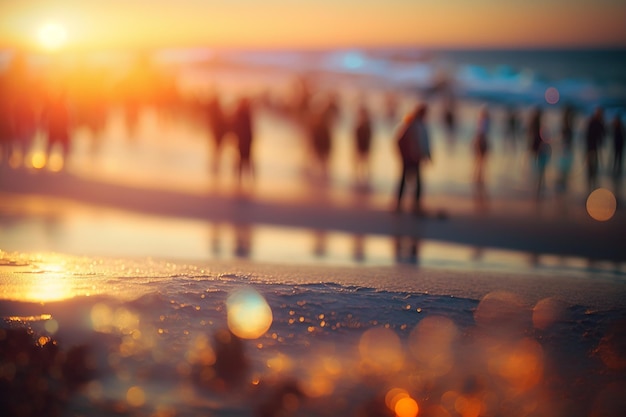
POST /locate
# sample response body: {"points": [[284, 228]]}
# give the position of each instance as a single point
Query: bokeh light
{"points": [[381, 350], [601, 204], [552, 95], [519, 364], [38, 160], [135, 396], [546, 312], [406, 407], [249, 315], [502, 313], [431, 343], [393, 396], [55, 163]]}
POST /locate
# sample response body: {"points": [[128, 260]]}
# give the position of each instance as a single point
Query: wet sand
{"points": [[534, 227]]}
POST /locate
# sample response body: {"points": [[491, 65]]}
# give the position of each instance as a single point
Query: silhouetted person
{"points": [[544, 154], [57, 122], [540, 149], [593, 142], [617, 128], [414, 146], [363, 140], [567, 140], [567, 128], [321, 142], [481, 145], [511, 127], [449, 120], [218, 126], [242, 128]]}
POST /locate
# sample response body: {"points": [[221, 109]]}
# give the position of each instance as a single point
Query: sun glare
{"points": [[52, 36]]}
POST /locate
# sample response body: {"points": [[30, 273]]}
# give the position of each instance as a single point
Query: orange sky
{"points": [[317, 23]]}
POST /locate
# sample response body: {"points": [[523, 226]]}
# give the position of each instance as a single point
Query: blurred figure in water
{"points": [[481, 146], [57, 122], [363, 139], [567, 154], [414, 147], [594, 137], [618, 145], [242, 128], [218, 126]]}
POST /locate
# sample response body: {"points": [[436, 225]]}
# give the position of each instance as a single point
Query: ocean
{"points": [[583, 77]]}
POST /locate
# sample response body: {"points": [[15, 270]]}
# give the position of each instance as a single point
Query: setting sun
{"points": [[52, 36]]}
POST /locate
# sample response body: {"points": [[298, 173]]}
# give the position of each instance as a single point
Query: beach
{"points": [[138, 280]]}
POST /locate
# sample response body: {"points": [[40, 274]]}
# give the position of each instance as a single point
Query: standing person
{"points": [[593, 141], [242, 128], [218, 126], [511, 127], [567, 127], [449, 120], [321, 138], [481, 145], [363, 139], [567, 154], [534, 133], [414, 146], [618, 145]]}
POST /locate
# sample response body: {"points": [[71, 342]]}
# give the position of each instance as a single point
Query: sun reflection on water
{"points": [[52, 284]]}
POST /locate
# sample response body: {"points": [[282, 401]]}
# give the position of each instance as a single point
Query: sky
{"points": [[115, 24]]}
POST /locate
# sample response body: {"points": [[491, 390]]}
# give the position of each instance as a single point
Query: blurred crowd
{"points": [[55, 103]]}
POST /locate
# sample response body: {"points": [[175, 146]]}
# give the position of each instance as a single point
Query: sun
{"points": [[52, 36]]}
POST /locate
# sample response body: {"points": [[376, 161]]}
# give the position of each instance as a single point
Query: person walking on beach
{"points": [[242, 128], [414, 146], [593, 140], [363, 139], [618, 145]]}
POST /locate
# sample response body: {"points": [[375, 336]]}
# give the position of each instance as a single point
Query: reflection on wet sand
{"points": [[47, 224]]}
